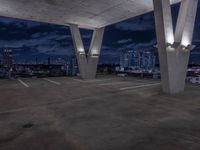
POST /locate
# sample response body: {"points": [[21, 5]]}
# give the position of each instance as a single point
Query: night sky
{"points": [[29, 40]]}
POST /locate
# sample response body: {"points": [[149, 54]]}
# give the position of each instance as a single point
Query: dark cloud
{"points": [[124, 41], [141, 23], [30, 39]]}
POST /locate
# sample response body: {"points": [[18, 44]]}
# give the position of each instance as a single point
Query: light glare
{"points": [[185, 42], [80, 49], [170, 39]]}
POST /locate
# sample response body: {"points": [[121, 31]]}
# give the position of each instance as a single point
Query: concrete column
{"points": [[87, 62], [94, 52], [174, 50]]}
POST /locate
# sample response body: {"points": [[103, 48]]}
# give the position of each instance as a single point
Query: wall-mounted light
{"points": [[186, 48], [81, 53], [170, 47], [94, 55], [94, 50], [173, 47], [81, 49]]}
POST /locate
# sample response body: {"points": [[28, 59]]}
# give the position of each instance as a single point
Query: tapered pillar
{"points": [[174, 49], [87, 63]]}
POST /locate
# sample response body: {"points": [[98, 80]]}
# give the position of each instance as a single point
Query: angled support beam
{"points": [[174, 49], [87, 62]]}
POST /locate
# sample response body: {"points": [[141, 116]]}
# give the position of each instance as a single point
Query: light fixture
{"points": [[94, 55], [94, 51], [170, 47], [81, 53], [80, 49], [173, 46], [186, 48]]}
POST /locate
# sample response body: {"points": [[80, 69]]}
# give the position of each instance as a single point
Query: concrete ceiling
{"points": [[85, 13]]}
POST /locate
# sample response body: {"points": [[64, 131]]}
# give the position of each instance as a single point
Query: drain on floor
{"points": [[28, 125]]}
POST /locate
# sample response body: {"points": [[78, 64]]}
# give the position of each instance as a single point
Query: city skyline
{"points": [[29, 40]]}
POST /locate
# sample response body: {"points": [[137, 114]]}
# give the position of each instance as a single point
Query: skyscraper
{"points": [[126, 59], [143, 59]]}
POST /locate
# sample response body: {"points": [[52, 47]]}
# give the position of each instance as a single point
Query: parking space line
{"points": [[51, 81], [79, 80], [97, 80], [114, 83], [85, 81], [139, 86], [23, 83]]}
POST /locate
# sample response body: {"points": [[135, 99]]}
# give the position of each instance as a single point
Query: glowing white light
{"points": [[95, 52], [185, 42], [170, 39], [81, 50]]}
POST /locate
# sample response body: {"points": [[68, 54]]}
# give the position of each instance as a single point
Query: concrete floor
{"points": [[108, 113]]}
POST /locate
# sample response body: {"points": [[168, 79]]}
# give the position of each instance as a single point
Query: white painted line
{"points": [[79, 80], [94, 80], [139, 86], [23, 83], [141, 81], [114, 83], [97, 80], [51, 81]]}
